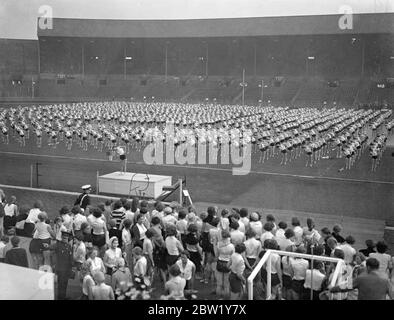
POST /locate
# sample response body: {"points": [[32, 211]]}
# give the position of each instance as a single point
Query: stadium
{"points": [[270, 135]]}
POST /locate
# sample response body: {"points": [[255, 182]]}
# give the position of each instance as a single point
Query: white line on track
{"points": [[200, 167]]}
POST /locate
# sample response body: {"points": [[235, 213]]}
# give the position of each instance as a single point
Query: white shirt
{"points": [[241, 226], [237, 237], [349, 252], [245, 221], [96, 265], [280, 233], [266, 235], [298, 232], [253, 248], [299, 267], [186, 271], [126, 237], [173, 246], [284, 243], [142, 229], [87, 283], [257, 227], [9, 210], [318, 278], [67, 221], [141, 267], [111, 256], [237, 263], [2, 249], [78, 220], [384, 261]]}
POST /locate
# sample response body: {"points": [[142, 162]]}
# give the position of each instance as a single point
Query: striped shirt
{"points": [[118, 216]]}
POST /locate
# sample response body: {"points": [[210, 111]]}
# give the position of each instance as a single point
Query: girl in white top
{"points": [[10, 213], [256, 225], [43, 232], [140, 268], [112, 254], [223, 251], [187, 268], [314, 282], [59, 228], [253, 248], [95, 262], [385, 261], [87, 281], [267, 234], [67, 220]]}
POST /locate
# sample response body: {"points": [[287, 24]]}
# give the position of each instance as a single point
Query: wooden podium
{"points": [[133, 184]]}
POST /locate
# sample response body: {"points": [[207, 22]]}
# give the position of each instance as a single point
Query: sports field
{"points": [[324, 188]]}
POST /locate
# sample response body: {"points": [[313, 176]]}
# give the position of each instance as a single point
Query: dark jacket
{"points": [[17, 257], [64, 256], [83, 200]]}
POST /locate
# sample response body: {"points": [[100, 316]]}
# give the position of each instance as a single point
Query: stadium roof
{"points": [[229, 27]]}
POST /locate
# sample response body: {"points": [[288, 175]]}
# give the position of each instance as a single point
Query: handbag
{"points": [[222, 266]]}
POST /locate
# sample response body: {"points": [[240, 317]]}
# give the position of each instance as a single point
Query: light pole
{"points": [[243, 84], [166, 62], [261, 85]]}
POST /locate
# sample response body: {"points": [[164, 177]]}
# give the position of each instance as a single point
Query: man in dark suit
{"points": [[83, 199], [16, 255]]}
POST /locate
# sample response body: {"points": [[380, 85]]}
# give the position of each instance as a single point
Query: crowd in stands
{"points": [[121, 244]]}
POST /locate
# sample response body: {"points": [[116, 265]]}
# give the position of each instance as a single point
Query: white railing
{"points": [[267, 259]]}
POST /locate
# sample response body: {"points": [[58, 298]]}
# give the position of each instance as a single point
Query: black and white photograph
{"points": [[211, 152]]}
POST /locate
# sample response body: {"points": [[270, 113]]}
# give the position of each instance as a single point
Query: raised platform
{"points": [[133, 184]]}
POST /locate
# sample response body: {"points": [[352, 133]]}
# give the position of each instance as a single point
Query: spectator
{"points": [[298, 231], [95, 262], [236, 277], [39, 245], [287, 241], [314, 281], [299, 266], [256, 225], [99, 229], [66, 217], [159, 248], [107, 209], [141, 269], [121, 278], [173, 246], [336, 233], [280, 232], [271, 218], [175, 286], [326, 234], [168, 218], [79, 253], [127, 241], [112, 254], [138, 231], [348, 249], [223, 251], [113, 231], [32, 218], [385, 262], [16, 255], [188, 270], [276, 270], [332, 245], [244, 214], [101, 291], [369, 249], [10, 213], [87, 280], [287, 274], [181, 225], [147, 250], [58, 228], [78, 220], [4, 240], [21, 220], [268, 233], [128, 214], [224, 220], [252, 250], [2, 213], [192, 246], [310, 234], [236, 235], [236, 218], [87, 235]]}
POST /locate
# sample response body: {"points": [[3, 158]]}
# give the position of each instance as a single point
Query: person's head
{"points": [[76, 210], [123, 201], [370, 244], [250, 233], [174, 270], [137, 252], [235, 216], [93, 253], [273, 245], [167, 210], [372, 264], [65, 236], [38, 204], [155, 221], [337, 228], [59, 220], [108, 203], [255, 216], [234, 225], [301, 249], [182, 214], [318, 250], [338, 253], [225, 234], [127, 206], [243, 212], [185, 255], [270, 218], [64, 210], [295, 222], [325, 232], [144, 210], [358, 258], [99, 277], [144, 204], [215, 222], [160, 207], [171, 230], [23, 210], [192, 228], [289, 233], [85, 268], [350, 240], [149, 234], [240, 248], [317, 265], [211, 211], [112, 223], [4, 239], [268, 226], [85, 227], [225, 213], [96, 212], [310, 223], [101, 206], [140, 218], [113, 242], [332, 243], [203, 216], [117, 205], [381, 247], [42, 216], [127, 223], [120, 263], [282, 225]]}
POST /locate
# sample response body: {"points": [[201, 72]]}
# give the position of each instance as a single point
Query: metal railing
{"points": [[267, 259]]}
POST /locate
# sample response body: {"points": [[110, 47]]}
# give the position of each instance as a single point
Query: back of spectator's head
{"points": [[295, 222], [369, 243], [372, 264], [350, 240], [250, 233], [15, 241], [160, 207], [234, 225], [192, 228], [266, 244], [108, 202], [123, 201], [211, 211], [117, 205], [326, 232], [97, 212], [149, 233], [301, 249], [381, 247], [112, 223], [76, 209], [79, 237], [240, 247], [243, 212], [225, 234], [167, 210], [289, 233], [144, 204], [127, 206], [42, 216], [182, 214], [185, 253], [99, 277], [137, 251], [38, 204], [144, 210], [101, 206], [171, 230], [338, 253], [5, 239], [235, 216], [310, 223], [268, 226], [155, 220], [270, 218], [273, 245], [64, 210], [332, 242], [127, 223], [255, 216], [174, 270], [337, 228], [282, 225], [84, 225], [225, 212], [319, 250]]}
